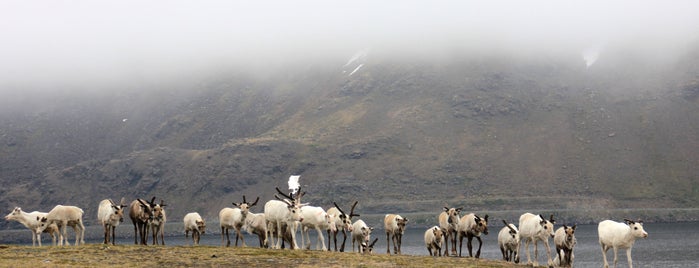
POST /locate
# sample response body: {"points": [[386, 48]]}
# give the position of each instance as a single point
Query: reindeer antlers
{"points": [[283, 194], [372, 243], [338, 208], [253, 203], [508, 226], [352, 209]]}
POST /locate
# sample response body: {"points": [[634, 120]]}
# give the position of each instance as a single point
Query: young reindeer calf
{"points": [[564, 239], [193, 222], [433, 241], [395, 227]]}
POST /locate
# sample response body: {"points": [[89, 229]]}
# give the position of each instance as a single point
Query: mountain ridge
{"points": [[400, 136]]}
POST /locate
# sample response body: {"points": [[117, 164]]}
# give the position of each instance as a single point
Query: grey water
{"points": [[672, 245]]}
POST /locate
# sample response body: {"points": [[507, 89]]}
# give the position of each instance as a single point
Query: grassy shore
{"points": [[97, 255]]}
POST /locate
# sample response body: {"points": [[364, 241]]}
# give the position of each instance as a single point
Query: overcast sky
{"points": [[56, 41]]}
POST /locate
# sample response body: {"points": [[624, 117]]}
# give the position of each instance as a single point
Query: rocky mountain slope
{"points": [[410, 135]]}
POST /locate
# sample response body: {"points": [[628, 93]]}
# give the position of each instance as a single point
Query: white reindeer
{"points": [[282, 211], [508, 240], [194, 223], [110, 215], [64, 216], [564, 240], [618, 235], [449, 222], [316, 218], [433, 240], [343, 222], [361, 233], [255, 223], [470, 226], [395, 227], [533, 228], [234, 218], [31, 220]]}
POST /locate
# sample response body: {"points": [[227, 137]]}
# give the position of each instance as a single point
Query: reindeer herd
{"points": [[277, 226]]}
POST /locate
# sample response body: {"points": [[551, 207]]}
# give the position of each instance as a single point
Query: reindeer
{"points": [[157, 222], [140, 212], [110, 215], [286, 210], [234, 218], [342, 221], [449, 222], [394, 225]]}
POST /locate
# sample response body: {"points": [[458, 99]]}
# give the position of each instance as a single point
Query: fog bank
{"points": [[51, 43]]}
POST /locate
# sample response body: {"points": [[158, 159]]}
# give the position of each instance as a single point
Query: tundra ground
{"points": [[97, 255]]}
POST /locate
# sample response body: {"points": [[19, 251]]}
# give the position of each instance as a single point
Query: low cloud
{"points": [[48, 43]]}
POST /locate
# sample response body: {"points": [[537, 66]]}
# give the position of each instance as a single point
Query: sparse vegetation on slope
{"points": [[408, 137]]}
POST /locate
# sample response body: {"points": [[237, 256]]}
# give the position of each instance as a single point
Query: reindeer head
{"points": [[245, 206], [147, 208], [118, 210], [368, 249], [547, 224], [347, 218], [453, 216], [636, 228], [293, 204], [481, 224], [401, 222], [569, 231], [201, 226], [513, 232], [14, 214]]}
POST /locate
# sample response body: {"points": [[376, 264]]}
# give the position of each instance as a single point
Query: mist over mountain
{"points": [[405, 107], [483, 132]]}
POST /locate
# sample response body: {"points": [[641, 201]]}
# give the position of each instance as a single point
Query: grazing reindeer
{"points": [[449, 222], [342, 221], [361, 233], [395, 226], [193, 222], [368, 249]]}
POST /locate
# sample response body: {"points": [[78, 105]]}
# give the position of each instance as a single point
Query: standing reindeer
{"points": [[234, 218], [394, 225], [342, 221], [278, 212]]}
